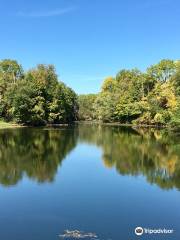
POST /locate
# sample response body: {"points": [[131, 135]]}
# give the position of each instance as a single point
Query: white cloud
{"points": [[49, 13]]}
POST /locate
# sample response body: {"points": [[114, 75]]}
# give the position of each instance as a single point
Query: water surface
{"points": [[105, 180]]}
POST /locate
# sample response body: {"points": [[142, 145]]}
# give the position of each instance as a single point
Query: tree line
{"points": [[35, 97], [132, 96]]}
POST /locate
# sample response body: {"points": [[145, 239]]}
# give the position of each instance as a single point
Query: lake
{"points": [[103, 181]]}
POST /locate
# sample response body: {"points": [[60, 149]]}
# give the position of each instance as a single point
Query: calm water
{"points": [[100, 179]]}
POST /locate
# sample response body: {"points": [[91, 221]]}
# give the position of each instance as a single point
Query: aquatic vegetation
{"points": [[77, 234]]}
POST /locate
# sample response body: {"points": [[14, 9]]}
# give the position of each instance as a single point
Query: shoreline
{"points": [[7, 125], [124, 124]]}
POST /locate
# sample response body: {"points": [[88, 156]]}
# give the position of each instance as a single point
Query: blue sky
{"points": [[88, 40]]}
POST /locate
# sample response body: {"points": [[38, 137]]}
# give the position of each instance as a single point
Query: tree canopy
{"points": [[35, 97], [132, 96]]}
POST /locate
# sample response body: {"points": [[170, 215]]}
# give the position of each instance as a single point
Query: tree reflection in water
{"points": [[149, 152], [34, 152], [38, 153]]}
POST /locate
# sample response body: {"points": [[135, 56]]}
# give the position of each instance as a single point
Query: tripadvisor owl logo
{"points": [[139, 231]]}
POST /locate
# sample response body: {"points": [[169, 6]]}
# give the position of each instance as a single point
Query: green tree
{"points": [[163, 70], [10, 74], [105, 105], [109, 85], [87, 109], [39, 98]]}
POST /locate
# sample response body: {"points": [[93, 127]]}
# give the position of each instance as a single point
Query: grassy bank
{"points": [[4, 125]]}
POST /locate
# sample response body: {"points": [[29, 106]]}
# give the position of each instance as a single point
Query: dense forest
{"points": [[143, 98], [37, 97]]}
